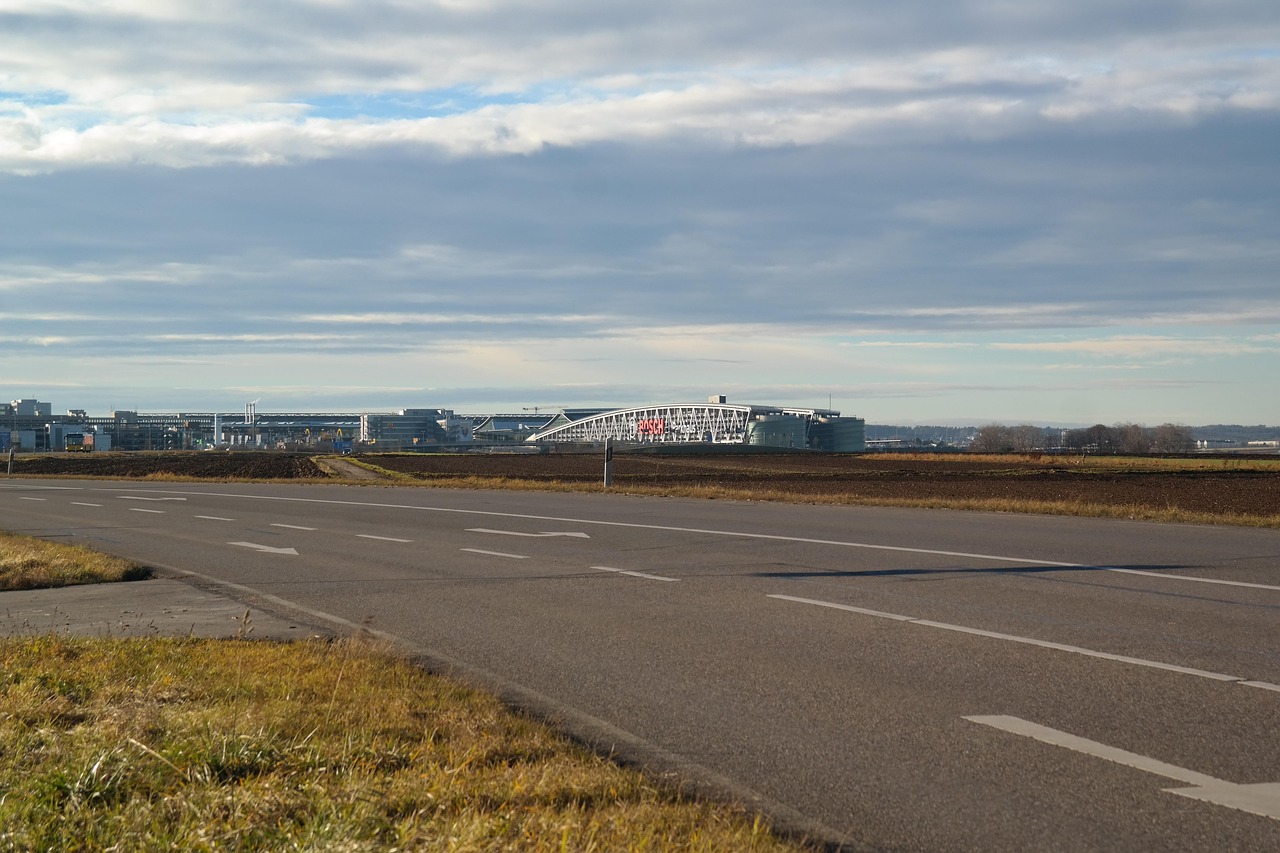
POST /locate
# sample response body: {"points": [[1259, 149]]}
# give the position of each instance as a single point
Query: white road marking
{"points": [[1194, 580], [732, 534], [266, 549], [1261, 799], [1263, 685], [81, 503], [32, 499], [495, 553], [140, 509], [141, 498], [635, 574], [214, 518], [1013, 638], [382, 538], [294, 527], [519, 533], [848, 607]]}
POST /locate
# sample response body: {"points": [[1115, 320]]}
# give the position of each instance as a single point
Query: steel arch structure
{"points": [[712, 423]]}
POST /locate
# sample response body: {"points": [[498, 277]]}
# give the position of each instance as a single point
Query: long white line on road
{"points": [[1044, 644], [140, 509], [521, 533], [141, 498], [1262, 799], [382, 538], [32, 499], [214, 518], [635, 574], [82, 503], [729, 533], [1196, 580], [294, 527], [495, 553]]}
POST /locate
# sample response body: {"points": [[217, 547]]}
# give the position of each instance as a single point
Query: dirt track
{"points": [[1244, 489]]}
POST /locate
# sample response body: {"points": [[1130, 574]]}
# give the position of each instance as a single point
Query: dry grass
{"points": [[1241, 462], [27, 563], [225, 745]]}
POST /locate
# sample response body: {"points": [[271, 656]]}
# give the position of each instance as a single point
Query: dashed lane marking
{"points": [[140, 509], [294, 527], [214, 518], [382, 538]]}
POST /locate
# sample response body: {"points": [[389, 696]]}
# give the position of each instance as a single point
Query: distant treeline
{"points": [[1116, 438], [1099, 438]]}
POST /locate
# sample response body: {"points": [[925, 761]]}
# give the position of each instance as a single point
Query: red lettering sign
{"points": [[651, 426]]}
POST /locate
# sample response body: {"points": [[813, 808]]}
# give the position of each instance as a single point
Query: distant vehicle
{"points": [[78, 442]]}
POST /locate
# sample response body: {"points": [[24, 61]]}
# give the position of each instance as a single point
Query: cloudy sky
{"points": [[952, 210]]}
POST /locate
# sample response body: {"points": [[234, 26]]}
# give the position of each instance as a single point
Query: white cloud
{"points": [[179, 86]]}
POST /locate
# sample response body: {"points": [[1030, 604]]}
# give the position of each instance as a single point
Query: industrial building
{"points": [[29, 425], [713, 422]]}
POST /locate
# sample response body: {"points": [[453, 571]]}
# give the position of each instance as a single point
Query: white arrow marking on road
{"points": [[266, 549], [140, 498], [519, 533], [1262, 798]]}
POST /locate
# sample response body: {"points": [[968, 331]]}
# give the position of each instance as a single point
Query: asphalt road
{"points": [[902, 679]]}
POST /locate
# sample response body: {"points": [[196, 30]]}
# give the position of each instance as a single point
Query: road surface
{"points": [[898, 679]]}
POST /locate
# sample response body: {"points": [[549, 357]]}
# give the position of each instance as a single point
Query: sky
{"points": [[963, 211]]}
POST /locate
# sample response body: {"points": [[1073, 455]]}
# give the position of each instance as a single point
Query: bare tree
{"points": [[1027, 438], [1132, 438], [1173, 438], [992, 438]]}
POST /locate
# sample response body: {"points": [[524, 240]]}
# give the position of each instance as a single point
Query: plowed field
{"points": [[1235, 488], [1230, 487], [196, 465]]}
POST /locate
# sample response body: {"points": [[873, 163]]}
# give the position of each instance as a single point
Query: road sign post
{"points": [[608, 462]]}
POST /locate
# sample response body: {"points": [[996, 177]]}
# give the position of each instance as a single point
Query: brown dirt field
{"points": [[879, 477], [1239, 489], [197, 465]]}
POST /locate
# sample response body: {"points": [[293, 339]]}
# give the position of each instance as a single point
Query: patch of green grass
{"points": [[202, 745], [27, 563]]}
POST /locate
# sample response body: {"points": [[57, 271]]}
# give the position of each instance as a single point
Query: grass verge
{"points": [[27, 563], [191, 744], [213, 745]]}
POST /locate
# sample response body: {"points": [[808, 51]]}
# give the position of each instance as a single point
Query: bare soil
{"points": [[187, 464], [880, 477], [1245, 490]]}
